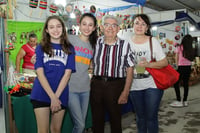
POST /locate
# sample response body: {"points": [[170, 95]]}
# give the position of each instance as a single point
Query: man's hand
{"points": [[123, 97]]}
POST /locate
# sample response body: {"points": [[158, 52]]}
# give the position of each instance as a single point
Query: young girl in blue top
{"points": [[55, 61]]}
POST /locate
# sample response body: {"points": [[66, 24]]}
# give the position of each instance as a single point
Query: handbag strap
{"points": [[151, 48]]}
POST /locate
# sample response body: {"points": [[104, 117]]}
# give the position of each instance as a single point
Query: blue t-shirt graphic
{"points": [[54, 69]]}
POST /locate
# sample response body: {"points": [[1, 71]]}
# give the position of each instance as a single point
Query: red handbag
{"points": [[164, 77]]}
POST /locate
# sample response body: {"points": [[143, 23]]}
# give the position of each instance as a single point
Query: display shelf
{"points": [[195, 72], [195, 75]]}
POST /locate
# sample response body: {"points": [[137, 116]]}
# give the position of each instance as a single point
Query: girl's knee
{"points": [[55, 129]]}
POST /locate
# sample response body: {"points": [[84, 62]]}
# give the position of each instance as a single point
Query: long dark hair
{"points": [[46, 42], [146, 19], [188, 51], [93, 36]]}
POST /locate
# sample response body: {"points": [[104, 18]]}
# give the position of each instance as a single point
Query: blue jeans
{"points": [[146, 104], [78, 107]]}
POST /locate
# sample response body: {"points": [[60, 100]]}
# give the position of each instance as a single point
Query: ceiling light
{"points": [[154, 28], [60, 2], [72, 15], [192, 28]]}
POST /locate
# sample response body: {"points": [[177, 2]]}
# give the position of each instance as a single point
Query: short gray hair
{"points": [[111, 17]]}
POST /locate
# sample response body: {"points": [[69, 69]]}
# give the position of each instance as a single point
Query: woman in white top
{"points": [[144, 94]]}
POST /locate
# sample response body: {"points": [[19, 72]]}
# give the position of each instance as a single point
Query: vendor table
{"points": [[25, 119], [22, 113]]}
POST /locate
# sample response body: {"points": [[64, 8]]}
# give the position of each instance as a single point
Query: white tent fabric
{"points": [[22, 11], [103, 4]]}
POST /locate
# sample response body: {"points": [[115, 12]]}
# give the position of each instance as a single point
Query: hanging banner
{"points": [[114, 8], [138, 2]]}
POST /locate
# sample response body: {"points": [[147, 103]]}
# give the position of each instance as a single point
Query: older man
{"points": [[113, 75]]}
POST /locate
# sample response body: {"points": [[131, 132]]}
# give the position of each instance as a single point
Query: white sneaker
{"points": [[176, 104], [185, 103]]}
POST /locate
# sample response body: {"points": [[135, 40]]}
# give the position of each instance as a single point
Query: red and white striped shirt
{"points": [[112, 60]]}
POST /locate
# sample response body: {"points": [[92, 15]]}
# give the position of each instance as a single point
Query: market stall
{"points": [[21, 114], [25, 121], [20, 111]]}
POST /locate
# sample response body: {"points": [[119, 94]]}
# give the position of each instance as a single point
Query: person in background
{"points": [[144, 94], [26, 52], [112, 76], [55, 61], [79, 85], [184, 56]]}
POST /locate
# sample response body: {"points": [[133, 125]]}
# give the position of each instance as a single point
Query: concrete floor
{"points": [[2, 121], [171, 120]]}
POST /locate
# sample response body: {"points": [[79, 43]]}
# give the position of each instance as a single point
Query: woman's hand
{"points": [[143, 63], [55, 105]]}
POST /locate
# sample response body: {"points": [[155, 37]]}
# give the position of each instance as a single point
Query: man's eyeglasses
{"points": [[107, 25]]}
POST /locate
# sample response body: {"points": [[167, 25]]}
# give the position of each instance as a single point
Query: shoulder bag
{"points": [[164, 77]]}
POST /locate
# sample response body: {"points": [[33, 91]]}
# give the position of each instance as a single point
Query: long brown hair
{"points": [[46, 41], [188, 51]]}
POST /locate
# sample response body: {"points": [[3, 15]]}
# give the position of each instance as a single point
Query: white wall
{"points": [[163, 16], [125, 34], [195, 33]]}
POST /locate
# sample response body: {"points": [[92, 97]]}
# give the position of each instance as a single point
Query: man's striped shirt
{"points": [[112, 60]]}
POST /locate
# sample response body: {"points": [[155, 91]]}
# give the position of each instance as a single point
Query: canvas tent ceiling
{"points": [[22, 10], [164, 5], [102, 4], [172, 16]]}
